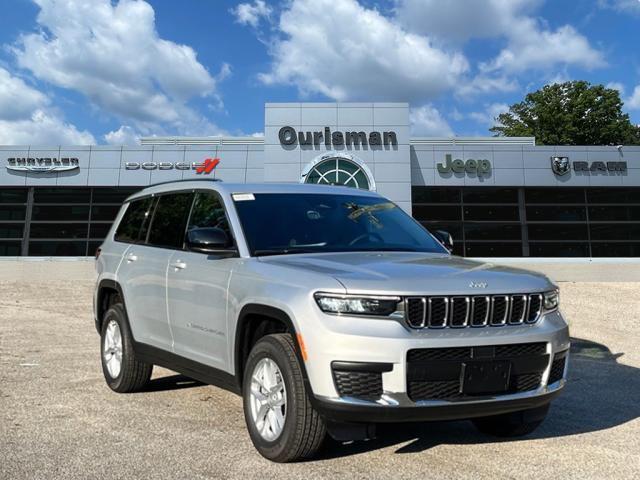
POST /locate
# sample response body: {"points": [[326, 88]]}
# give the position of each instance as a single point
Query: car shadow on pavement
{"points": [[171, 382], [600, 394]]}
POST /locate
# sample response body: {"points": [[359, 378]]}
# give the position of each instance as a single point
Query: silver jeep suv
{"points": [[328, 309]]}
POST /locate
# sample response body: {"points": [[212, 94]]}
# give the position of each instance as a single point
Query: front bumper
{"points": [[387, 344], [399, 408]]}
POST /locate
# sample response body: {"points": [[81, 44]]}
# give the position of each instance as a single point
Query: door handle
{"points": [[131, 258], [179, 265]]}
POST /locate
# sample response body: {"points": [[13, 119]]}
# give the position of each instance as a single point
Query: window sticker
{"points": [[243, 197]]}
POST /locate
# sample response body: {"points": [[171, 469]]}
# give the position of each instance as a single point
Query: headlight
{"points": [[551, 300], [356, 305]]}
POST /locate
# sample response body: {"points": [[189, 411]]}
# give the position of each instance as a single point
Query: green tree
{"points": [[570, 113]]}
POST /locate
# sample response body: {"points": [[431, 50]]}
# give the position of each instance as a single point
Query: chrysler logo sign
{"points": [[42, 164]]}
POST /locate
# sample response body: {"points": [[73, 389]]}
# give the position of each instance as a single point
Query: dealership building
{"points": [[498, 197]]}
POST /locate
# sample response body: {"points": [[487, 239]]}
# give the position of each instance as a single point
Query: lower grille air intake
{"points": [[557, 368], [361, 385], [436, 373]]}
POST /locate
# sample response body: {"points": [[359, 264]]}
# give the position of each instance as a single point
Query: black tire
{"points": [[304, 430], [514, 424], [134, 374]]}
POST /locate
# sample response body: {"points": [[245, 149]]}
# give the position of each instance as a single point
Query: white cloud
{"points": [[113, 55], [251, 14], [343, 50], [530, 48], [624, 6], [484, 84], [426, 120], [488, 117], [42, 128], [26, 117], [17, 99], [616, 86], [633, 102], [530, 45], [461, 20], [125, 135]]}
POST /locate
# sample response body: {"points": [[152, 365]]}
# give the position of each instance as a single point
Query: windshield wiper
{"points": [[387, 249], [281, 251]]}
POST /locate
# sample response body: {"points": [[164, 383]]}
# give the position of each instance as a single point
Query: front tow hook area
{"points": [[348, 432]]}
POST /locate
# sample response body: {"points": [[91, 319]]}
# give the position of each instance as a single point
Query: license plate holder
{"points": [[485, 377]]}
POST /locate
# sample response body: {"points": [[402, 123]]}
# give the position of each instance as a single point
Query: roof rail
{"points": [[174, 181], [185, 180]]}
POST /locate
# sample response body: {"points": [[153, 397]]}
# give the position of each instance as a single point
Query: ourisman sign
{"points": [[289, 136]]}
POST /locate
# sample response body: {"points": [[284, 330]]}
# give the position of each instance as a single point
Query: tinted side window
{"points": [[131, 224], [169, 220], [208, 211]]}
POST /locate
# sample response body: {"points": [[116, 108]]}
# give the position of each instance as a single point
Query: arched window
{"points": [[337, 170]]}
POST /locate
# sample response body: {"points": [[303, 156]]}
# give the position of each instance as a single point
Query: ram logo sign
{"points": [[560, 165]]}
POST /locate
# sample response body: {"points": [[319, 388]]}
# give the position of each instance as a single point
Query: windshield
{"points": [[280, 223]]}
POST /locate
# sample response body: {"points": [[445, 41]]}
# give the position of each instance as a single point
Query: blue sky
{"points": [[100, 71]]}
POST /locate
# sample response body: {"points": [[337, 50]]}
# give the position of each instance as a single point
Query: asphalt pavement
{"points": [[58, 419]]}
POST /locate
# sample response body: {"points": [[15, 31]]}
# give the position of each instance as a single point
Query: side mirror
{"points": [[444, 238], [208, 240]]}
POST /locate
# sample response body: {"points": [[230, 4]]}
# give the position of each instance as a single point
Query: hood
{"points": [[413, 273]]}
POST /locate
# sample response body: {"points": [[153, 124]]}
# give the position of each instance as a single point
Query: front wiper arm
{"points": [[281, 251], [388, 249]]}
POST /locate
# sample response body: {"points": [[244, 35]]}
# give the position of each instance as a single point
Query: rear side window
{"points": [[170, 220], [134, 220]]}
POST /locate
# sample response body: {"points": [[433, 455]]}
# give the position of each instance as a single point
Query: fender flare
{"points": [[269, 312], [111, 285]]}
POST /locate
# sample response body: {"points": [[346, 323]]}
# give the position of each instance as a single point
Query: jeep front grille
{"points": [[472, 311]]}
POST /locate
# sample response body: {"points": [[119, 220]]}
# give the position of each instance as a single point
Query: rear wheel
{"points": [[514, 424], [122, 371], [282, 424]]}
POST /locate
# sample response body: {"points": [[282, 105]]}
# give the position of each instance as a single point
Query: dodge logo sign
{"points": [[560, 165], [205, 167]]}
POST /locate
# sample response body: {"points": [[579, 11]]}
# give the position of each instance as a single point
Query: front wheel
{"points": [[514, 424], [282, 423]]}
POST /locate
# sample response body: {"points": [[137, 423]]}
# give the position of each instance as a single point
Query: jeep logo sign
{"points": [[470, 166]]}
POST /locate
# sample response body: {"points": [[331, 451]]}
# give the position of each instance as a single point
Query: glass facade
{"points": [[57, 221], [534, 221], [484, 221]]}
